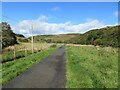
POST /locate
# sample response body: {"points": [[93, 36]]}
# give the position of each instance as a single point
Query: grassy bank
{"points": [[14, 68], [91, 67]]}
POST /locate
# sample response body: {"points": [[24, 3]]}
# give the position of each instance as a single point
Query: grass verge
{"points": [[14, 68], [91, 67]]}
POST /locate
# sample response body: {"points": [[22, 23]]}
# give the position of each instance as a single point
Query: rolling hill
{"points": [[107, 36], [60, 38]]}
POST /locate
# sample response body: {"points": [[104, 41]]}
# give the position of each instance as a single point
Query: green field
{"points": [[91, 67], [14, 68]]}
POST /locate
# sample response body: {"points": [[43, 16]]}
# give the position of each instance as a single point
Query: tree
{"points": [[8, 37]]}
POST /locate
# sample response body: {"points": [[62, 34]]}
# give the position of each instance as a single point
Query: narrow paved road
{"points": [[50, 73]]}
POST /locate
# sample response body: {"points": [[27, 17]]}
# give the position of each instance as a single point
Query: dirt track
{"points": [[50, 73]]}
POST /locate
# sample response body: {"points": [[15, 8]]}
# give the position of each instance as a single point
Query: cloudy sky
{"points": [[58, 18]]}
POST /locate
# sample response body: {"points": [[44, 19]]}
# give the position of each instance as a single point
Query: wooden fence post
{"points": [[25, 51], [36, 49], [14, 52]]}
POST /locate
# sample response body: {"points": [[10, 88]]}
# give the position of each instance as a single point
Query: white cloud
{"points": [[55, 8], [42, 27]]}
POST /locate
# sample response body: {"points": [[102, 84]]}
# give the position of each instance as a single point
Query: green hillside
{"points": [[107, 36], [21, 38], [60, 38]]}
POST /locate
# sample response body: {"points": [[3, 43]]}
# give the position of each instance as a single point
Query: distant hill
{"points": [[20, 35], [21, 38], [107, 36], [60, 38]]}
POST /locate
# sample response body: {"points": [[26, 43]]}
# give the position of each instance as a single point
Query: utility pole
{"points": [[0, 40], [32, 38]]}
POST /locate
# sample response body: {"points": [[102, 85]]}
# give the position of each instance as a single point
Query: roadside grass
{"points": [[21, 52], [91, 67], [14, 68], [9, 56]]}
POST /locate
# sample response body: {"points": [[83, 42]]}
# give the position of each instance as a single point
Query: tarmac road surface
{"points": [[49, 73]]}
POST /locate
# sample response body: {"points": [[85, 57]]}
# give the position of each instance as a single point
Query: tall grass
{"points": [[91, 67], [20, 50]]}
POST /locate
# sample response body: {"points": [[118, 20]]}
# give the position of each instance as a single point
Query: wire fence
{"points": [[18, 51], [11, 54]]}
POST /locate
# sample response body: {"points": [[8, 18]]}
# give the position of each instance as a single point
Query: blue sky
{"points": [[59, 14]]}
